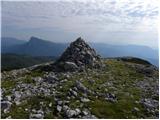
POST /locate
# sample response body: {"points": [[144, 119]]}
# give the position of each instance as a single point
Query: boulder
{"points": [[59, 108], [5, 105], [73, 113], [70, 113], [70, 66]]}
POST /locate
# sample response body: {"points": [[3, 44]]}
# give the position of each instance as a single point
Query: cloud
{"points": [[83, 16]]}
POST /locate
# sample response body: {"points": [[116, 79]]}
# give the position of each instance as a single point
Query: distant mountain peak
{"points": [[34, 39]]}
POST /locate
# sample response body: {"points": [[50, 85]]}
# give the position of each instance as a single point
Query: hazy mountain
{"points": [[7, 42], [39, 47], [144, 52]]}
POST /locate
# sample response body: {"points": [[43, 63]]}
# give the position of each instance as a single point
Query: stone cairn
{"points": [[78, 56]]}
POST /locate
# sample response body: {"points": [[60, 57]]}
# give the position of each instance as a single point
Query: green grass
{"points": [[121, 109], [36, 73], [8, 84], [28, 80], [19, 112], [122, 78]]}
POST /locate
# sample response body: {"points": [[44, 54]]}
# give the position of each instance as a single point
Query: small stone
{"points": [[81, 105], [85, 100], [41, 103], [59, 108], [36, 116], [70, 113], [135, 109], [65, 107], [137, 102], [9, 117], [68, 97], [17, 102], [9, 98], [33, 110], [50, 105], [74, 93], [85, 112], [78, 111], [60, 102]]}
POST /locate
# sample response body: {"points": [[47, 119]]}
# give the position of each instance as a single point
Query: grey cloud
{"points": [[85, 17]]}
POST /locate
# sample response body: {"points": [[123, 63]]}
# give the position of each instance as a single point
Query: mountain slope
{"points": [[121, 90], [38, 47], [7, 42], [13, 61]]}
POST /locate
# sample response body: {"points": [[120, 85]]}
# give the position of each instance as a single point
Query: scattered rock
{"points": [[111, 97], [70, 113], [5, 106], [36, 116], [82, 88], [135, 109], [59, 102], [85, 100], [59, 108]]}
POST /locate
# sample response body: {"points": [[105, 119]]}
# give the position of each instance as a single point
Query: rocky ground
{"points": [[119, 90]]}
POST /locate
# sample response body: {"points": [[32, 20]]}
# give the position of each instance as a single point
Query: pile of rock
{"points": [[78, 56]]}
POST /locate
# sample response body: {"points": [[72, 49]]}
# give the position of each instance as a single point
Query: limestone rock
{"points": [[78, 56]]}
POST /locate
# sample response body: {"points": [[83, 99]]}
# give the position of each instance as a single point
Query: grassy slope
{"points": [[121, 81]]}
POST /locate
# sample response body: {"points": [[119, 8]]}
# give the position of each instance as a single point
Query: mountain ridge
{"points": [[38, 48]]}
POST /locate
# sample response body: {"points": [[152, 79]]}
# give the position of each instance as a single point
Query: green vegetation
{"points": [[8, 84], [117, 78], [121, 80], [13, 61], [135, 60], [35, 102]]}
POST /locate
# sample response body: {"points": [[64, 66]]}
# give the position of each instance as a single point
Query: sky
{"points": [[118, 22]]}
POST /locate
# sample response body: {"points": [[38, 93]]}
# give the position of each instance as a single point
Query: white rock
{"points": [[65, 107], [136, 109], [17, 102], [36, 116], [59, 108], [60, 102], [9, 98], [85, 100], [78, 111], [70, 113], [50, 104]]}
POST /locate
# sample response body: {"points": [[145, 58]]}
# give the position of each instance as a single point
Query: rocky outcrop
{"points": [[78, 56]]}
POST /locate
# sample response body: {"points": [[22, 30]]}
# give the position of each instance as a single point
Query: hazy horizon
{"points": [[85, 40], [112, 22]]}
